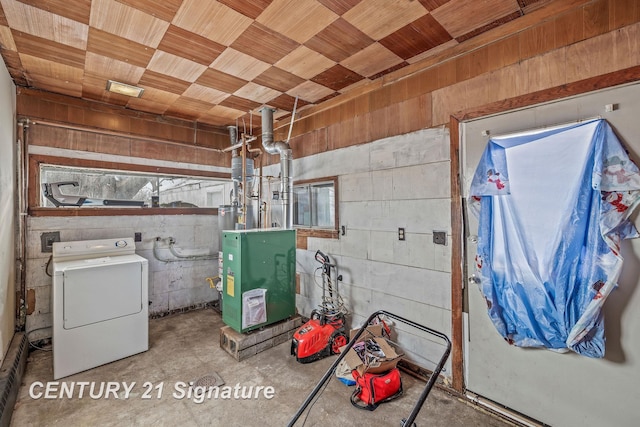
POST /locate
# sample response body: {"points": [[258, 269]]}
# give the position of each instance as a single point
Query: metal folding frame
{"points": [[409, 421]]}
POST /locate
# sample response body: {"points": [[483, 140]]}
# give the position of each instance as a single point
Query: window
{"points": [[215, 196], [93, 187], [315, 205]]}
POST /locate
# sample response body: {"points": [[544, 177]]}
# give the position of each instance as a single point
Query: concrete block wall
{"points": [[396, 182], [172, 285]]}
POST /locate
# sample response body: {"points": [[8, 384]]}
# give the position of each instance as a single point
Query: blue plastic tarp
{"points": [[553, 207]]}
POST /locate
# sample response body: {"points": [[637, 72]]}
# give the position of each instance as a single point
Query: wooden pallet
{"points": [[242, 346]]}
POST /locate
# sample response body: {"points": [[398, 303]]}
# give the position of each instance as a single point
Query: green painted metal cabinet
{"points": [[259, 283]]}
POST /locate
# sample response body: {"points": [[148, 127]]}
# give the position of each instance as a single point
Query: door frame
{"points": [[627, 75]]}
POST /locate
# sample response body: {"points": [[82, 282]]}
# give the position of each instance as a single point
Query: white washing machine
{"points": [[100, 304]]}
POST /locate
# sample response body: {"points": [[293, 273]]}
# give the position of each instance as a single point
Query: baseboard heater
{"points": [[11, 373]]}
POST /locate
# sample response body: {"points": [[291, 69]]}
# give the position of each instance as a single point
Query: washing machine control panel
{"points": [[93, 248]]}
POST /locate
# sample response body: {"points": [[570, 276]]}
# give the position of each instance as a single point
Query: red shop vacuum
{"points": [[325, 332]]}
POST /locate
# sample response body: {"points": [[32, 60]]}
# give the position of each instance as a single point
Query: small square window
{"points": [[314, 205]]}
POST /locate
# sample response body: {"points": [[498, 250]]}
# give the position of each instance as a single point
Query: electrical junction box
{"points": [[48, 239], [440, 237], [259, 277]]}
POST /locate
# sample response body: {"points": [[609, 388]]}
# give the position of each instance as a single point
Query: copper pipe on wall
{"points": [[21, 226], [244, 183], [259, 155]]}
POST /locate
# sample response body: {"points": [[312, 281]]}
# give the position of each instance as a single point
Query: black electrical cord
{"points": [[46, 269]]}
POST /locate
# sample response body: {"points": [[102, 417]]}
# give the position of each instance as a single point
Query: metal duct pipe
{"points": [[286, 188], [234, 197], [267, 130], [233, 135], [286, 165]]}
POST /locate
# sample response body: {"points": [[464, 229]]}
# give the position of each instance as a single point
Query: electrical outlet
{"points": [[47, 240], [401, 235], [137, 236], [440, 237]]}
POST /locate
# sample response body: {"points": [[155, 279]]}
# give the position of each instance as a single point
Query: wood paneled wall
{"points": [[567, 41], [585, 40], [41, 134], [186, 141]]}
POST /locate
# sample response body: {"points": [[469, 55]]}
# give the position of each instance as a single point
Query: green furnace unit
{"points": [[259, 284]]}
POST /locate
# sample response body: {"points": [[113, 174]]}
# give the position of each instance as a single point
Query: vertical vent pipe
{"points": [[233, 139], [286, 168], [233, 136]]}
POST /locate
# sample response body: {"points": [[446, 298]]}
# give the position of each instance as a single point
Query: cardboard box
{"points": [[371, 332], [392, 353]]}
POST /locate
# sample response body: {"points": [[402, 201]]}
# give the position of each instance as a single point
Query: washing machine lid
{"points": [[60, 266], [83, 249], [102, 289]]}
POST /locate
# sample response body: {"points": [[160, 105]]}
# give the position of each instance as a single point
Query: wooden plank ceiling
{"points": [[215, 61]]}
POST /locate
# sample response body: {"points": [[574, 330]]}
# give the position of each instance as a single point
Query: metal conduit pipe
{"points": [[179, 256], [503, 411], [174, 251], [233, 139], [286, 165]]}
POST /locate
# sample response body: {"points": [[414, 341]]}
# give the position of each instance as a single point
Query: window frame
{"points": [[322, 232], [34, 188]]}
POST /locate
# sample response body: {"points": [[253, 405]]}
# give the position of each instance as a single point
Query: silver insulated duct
{"points": [[233, 135], [286, 169]]}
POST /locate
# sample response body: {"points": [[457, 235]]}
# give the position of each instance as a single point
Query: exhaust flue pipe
{"points": [[233, 135], [286, 168]]}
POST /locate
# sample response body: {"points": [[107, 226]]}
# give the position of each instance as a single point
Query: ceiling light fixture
{"points": [[124, 89]]}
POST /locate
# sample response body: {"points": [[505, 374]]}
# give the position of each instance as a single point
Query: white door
{"points": [[559, 389]]}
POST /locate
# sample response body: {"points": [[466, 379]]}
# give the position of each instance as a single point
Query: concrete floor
{"points": [[184, 348]]}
